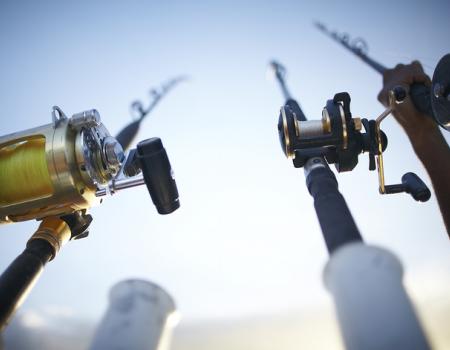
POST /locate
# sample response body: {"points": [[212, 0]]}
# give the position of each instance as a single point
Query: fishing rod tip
{"points": [[184, 77], [276, 68], [320, 25]]}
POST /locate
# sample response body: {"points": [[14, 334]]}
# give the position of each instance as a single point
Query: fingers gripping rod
{"points": [[434, 102]]}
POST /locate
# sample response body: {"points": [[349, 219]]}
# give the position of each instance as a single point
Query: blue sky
{"points": [[246, 239]]}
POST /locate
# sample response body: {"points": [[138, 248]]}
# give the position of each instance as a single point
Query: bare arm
{"points": [[423, 133]]}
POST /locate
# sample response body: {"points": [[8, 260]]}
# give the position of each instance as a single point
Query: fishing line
{"points": [[23, 172]]}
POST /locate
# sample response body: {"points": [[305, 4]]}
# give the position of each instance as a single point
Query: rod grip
{"points": [[18, 279], [420, 96], [372, 305], [335, 218]]}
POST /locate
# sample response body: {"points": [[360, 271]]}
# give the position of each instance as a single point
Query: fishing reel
{"points": [[338, 137], [63, 168]]}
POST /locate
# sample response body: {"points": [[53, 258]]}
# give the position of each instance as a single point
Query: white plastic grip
{"points": [[372, 306]]}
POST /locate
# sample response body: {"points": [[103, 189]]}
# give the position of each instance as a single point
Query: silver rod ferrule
{"points": [[314, 163]]}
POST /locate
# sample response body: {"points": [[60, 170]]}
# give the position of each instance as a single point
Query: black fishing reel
{"points": [[338, 137]]}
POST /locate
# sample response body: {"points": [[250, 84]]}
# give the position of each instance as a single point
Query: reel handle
{"points": [[420, 96], [413, 185], [158, 175]]}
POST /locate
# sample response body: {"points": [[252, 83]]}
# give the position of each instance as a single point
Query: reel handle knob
{"points": [[399, 94], [413, 185], [158, 175], [416, 187]]}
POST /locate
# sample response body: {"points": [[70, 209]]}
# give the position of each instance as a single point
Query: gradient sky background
{"points": [[246, 240]]}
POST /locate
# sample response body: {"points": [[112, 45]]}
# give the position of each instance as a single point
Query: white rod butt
{"points": [[373, 308], [140, 316]]}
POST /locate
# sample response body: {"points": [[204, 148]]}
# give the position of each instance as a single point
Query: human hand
{"points": [[415, 123]]}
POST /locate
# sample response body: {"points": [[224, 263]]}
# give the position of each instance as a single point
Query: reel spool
{"points": [[338, 137], [68, 165], [440, 94]]}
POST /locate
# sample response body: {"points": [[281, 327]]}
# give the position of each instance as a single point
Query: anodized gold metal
{"points": [[344, 127], [72, 190], [297, 126], [379, 157], [380, 163], [55, 231], [326, 121], [287, 140], [358, 124]]}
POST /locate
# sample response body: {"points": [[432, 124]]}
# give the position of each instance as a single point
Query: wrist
{"points": [[428, 142]]}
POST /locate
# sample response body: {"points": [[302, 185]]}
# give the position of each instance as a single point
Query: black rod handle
{"points": [[335, 218], [420, 96], [20, 276], [419, 93]]}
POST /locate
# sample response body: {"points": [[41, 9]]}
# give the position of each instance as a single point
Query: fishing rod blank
{"points": [[434, 101], [373, 308], [279, 72], [129, 132]]}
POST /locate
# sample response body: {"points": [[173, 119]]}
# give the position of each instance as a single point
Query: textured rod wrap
{"points": [[23, 172]]}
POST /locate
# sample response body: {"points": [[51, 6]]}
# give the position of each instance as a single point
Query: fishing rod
{"points": [[373, 308], [129, 132], [433, 101], [55, 173]]}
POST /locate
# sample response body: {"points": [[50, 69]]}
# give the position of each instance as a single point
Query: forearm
{"points": [[434, 153], [424, 134]]}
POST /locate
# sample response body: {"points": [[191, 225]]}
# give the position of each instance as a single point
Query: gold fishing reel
{"points": [[56, 169], [56, 172]]}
